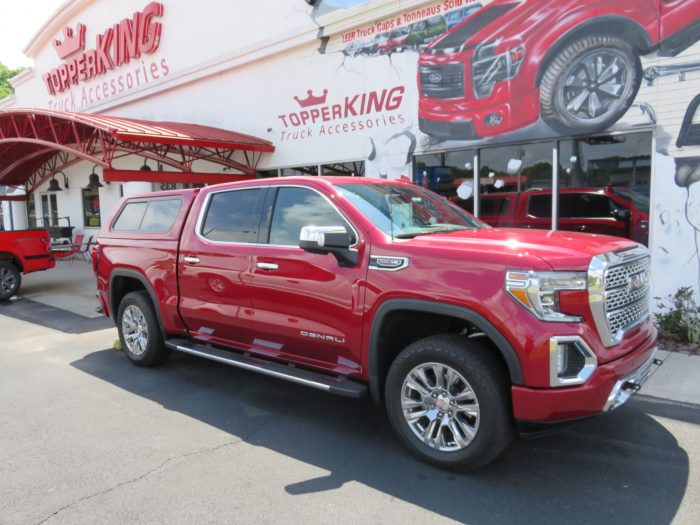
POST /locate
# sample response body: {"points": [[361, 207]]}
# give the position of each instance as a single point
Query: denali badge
{"points": [[636, 281], [314, 335]]}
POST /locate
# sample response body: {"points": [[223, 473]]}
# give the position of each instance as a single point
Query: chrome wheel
{"points": [[135, 330], [596, 85], [8, 282], [440, 407]]}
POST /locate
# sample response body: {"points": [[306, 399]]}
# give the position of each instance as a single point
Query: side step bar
{"points": [[333, 384]]}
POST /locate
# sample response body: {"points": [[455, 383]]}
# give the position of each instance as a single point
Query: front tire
{"points": [[448, 400], [10, 280], [590, 85], [139, 330]]}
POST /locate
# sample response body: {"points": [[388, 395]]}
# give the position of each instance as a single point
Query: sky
{"points": [[19, 22]]}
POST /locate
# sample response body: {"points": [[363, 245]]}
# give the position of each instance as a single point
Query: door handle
{"points": [[191, 260], [267, 266]]}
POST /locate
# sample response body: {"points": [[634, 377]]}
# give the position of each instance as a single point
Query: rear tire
{"points": [[448, 400], [10, 280], [139, 330]]}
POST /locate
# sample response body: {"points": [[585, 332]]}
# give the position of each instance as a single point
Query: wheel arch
{"points": [[617, 26], [124, 281], [379, 361], [12, 259]]}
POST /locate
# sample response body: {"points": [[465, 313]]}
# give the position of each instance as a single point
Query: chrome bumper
{"points": [[629, 385]]}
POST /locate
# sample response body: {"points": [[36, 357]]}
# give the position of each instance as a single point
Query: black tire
{"points": [[10, 280], [487, 377], [558, 101], [137, 318]]}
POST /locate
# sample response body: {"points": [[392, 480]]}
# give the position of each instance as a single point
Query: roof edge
{"points": [[54, 24]]}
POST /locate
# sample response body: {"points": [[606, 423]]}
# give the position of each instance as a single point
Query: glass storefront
{"points": [[604, 183], [91, 207]]}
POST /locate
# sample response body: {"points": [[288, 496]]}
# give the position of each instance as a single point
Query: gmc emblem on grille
{"points": [[435, 78], [637, 281]]}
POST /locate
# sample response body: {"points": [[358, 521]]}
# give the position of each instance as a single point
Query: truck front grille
{"points": [[442, 81], [619, 288]]}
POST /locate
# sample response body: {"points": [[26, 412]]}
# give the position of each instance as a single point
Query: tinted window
{"points": [[298, 207], [495, 206], [585, 205], [479, 21], [233, 216], [540, 206], [130, 218], [160, 215]]}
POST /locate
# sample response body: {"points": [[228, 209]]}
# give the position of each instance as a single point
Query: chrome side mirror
{"points": [[329, 239]]}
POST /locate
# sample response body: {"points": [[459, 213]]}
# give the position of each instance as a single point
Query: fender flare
{"points": [[417, 305], [133, 274]]}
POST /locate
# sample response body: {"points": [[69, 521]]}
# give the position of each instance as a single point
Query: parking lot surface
{"points": [[89, 438]]}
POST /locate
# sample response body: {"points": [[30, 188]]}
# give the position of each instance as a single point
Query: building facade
{"points": [[576, 115]]}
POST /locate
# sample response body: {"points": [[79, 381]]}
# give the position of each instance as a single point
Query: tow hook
{"points": [[631, 385]]}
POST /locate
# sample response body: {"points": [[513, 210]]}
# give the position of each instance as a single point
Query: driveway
{"points": [[89, 438]]}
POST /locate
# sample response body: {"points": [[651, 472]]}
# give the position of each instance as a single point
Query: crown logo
{"points": [[312, 100], [73, 42]]}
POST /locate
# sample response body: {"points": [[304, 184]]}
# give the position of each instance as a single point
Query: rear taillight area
{"points": [[95, 257]]}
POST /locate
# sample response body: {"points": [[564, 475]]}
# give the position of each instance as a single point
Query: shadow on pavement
{"points": [[623, 465]]}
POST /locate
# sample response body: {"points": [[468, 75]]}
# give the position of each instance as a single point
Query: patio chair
{"points": [[69, 251]]}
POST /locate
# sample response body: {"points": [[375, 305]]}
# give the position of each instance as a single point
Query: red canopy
{"points": [[34, 144]]}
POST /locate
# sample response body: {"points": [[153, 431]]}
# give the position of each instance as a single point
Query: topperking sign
{"points": [[126, 41]]}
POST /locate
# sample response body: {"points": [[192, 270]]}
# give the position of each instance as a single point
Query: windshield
{"points": [[405, 211]]}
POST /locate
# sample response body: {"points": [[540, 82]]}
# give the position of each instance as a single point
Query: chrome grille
{"points": [[445, 81], [619, 290]]}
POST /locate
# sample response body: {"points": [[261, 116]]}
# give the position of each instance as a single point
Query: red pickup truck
{"points": [[356, 286], [22, 251], [575, 63], [607, 211]]}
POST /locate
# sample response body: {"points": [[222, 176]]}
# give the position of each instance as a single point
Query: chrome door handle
{"points": [[191, 260], [267, 266]]}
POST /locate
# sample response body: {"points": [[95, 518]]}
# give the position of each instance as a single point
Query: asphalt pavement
{"points": [[86, 437]]}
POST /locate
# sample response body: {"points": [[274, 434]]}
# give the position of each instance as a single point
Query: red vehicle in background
{"points": [[576, 64], [607, 211], [23, 251], [396, 40]]}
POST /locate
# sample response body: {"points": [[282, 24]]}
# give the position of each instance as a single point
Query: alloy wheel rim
{"points": [[135, 330], [440, 407], [7, 281], [595, 86]]}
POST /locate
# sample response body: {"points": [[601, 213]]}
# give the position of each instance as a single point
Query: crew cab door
{"points": [[308, 308], [214, 266]]}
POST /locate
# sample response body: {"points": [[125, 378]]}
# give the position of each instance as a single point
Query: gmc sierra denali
{"points": [[356, 286]]}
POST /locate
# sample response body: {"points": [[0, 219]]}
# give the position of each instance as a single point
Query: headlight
{"points": [[489, 68], [539, 292]]}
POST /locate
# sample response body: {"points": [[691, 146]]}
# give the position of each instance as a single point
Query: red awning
{"points": [[34, 144]]}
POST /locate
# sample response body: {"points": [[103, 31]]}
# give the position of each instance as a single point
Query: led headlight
{"points": [[489, 68], [538, 292]]}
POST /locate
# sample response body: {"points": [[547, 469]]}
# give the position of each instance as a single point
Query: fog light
{"points": [[494, 119], [571, 361]]}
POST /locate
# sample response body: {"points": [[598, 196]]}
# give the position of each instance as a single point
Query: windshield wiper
{"points": [[431, 232]]}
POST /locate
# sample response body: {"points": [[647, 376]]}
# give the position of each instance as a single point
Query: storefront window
{"points": [[344, 169], [444, 172], [299, 171], [91, 208], [31, 212], [614, 172]]}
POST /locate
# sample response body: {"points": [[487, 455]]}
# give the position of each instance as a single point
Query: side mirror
{"points": [[621, 214], [329, 239]]}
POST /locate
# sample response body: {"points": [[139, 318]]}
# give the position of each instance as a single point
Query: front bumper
{"points": [[611, 385]]}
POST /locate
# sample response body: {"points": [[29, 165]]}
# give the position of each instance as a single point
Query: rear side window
{"points": [[495, 206], [156, 216], [130, 218], [234, 216]]}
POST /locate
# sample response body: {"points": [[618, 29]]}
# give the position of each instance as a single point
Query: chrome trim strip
{"points": [[619, 394], [589, 358], [374, 263], [205, 207]]}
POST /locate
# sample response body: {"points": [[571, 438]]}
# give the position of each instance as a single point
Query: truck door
{"points": [[214, 266], [308, 308], [680, 25]]}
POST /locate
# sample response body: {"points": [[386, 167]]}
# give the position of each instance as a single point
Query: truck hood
{"points": [[560, 250]]}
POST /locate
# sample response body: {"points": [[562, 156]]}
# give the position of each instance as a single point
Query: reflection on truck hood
{"points": [[559, 249]]}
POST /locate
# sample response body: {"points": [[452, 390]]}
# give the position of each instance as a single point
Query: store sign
{"points": [[316, 116], [126, 40]]}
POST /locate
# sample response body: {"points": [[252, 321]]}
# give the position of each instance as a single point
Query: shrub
{"points": [[679, 316]]}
